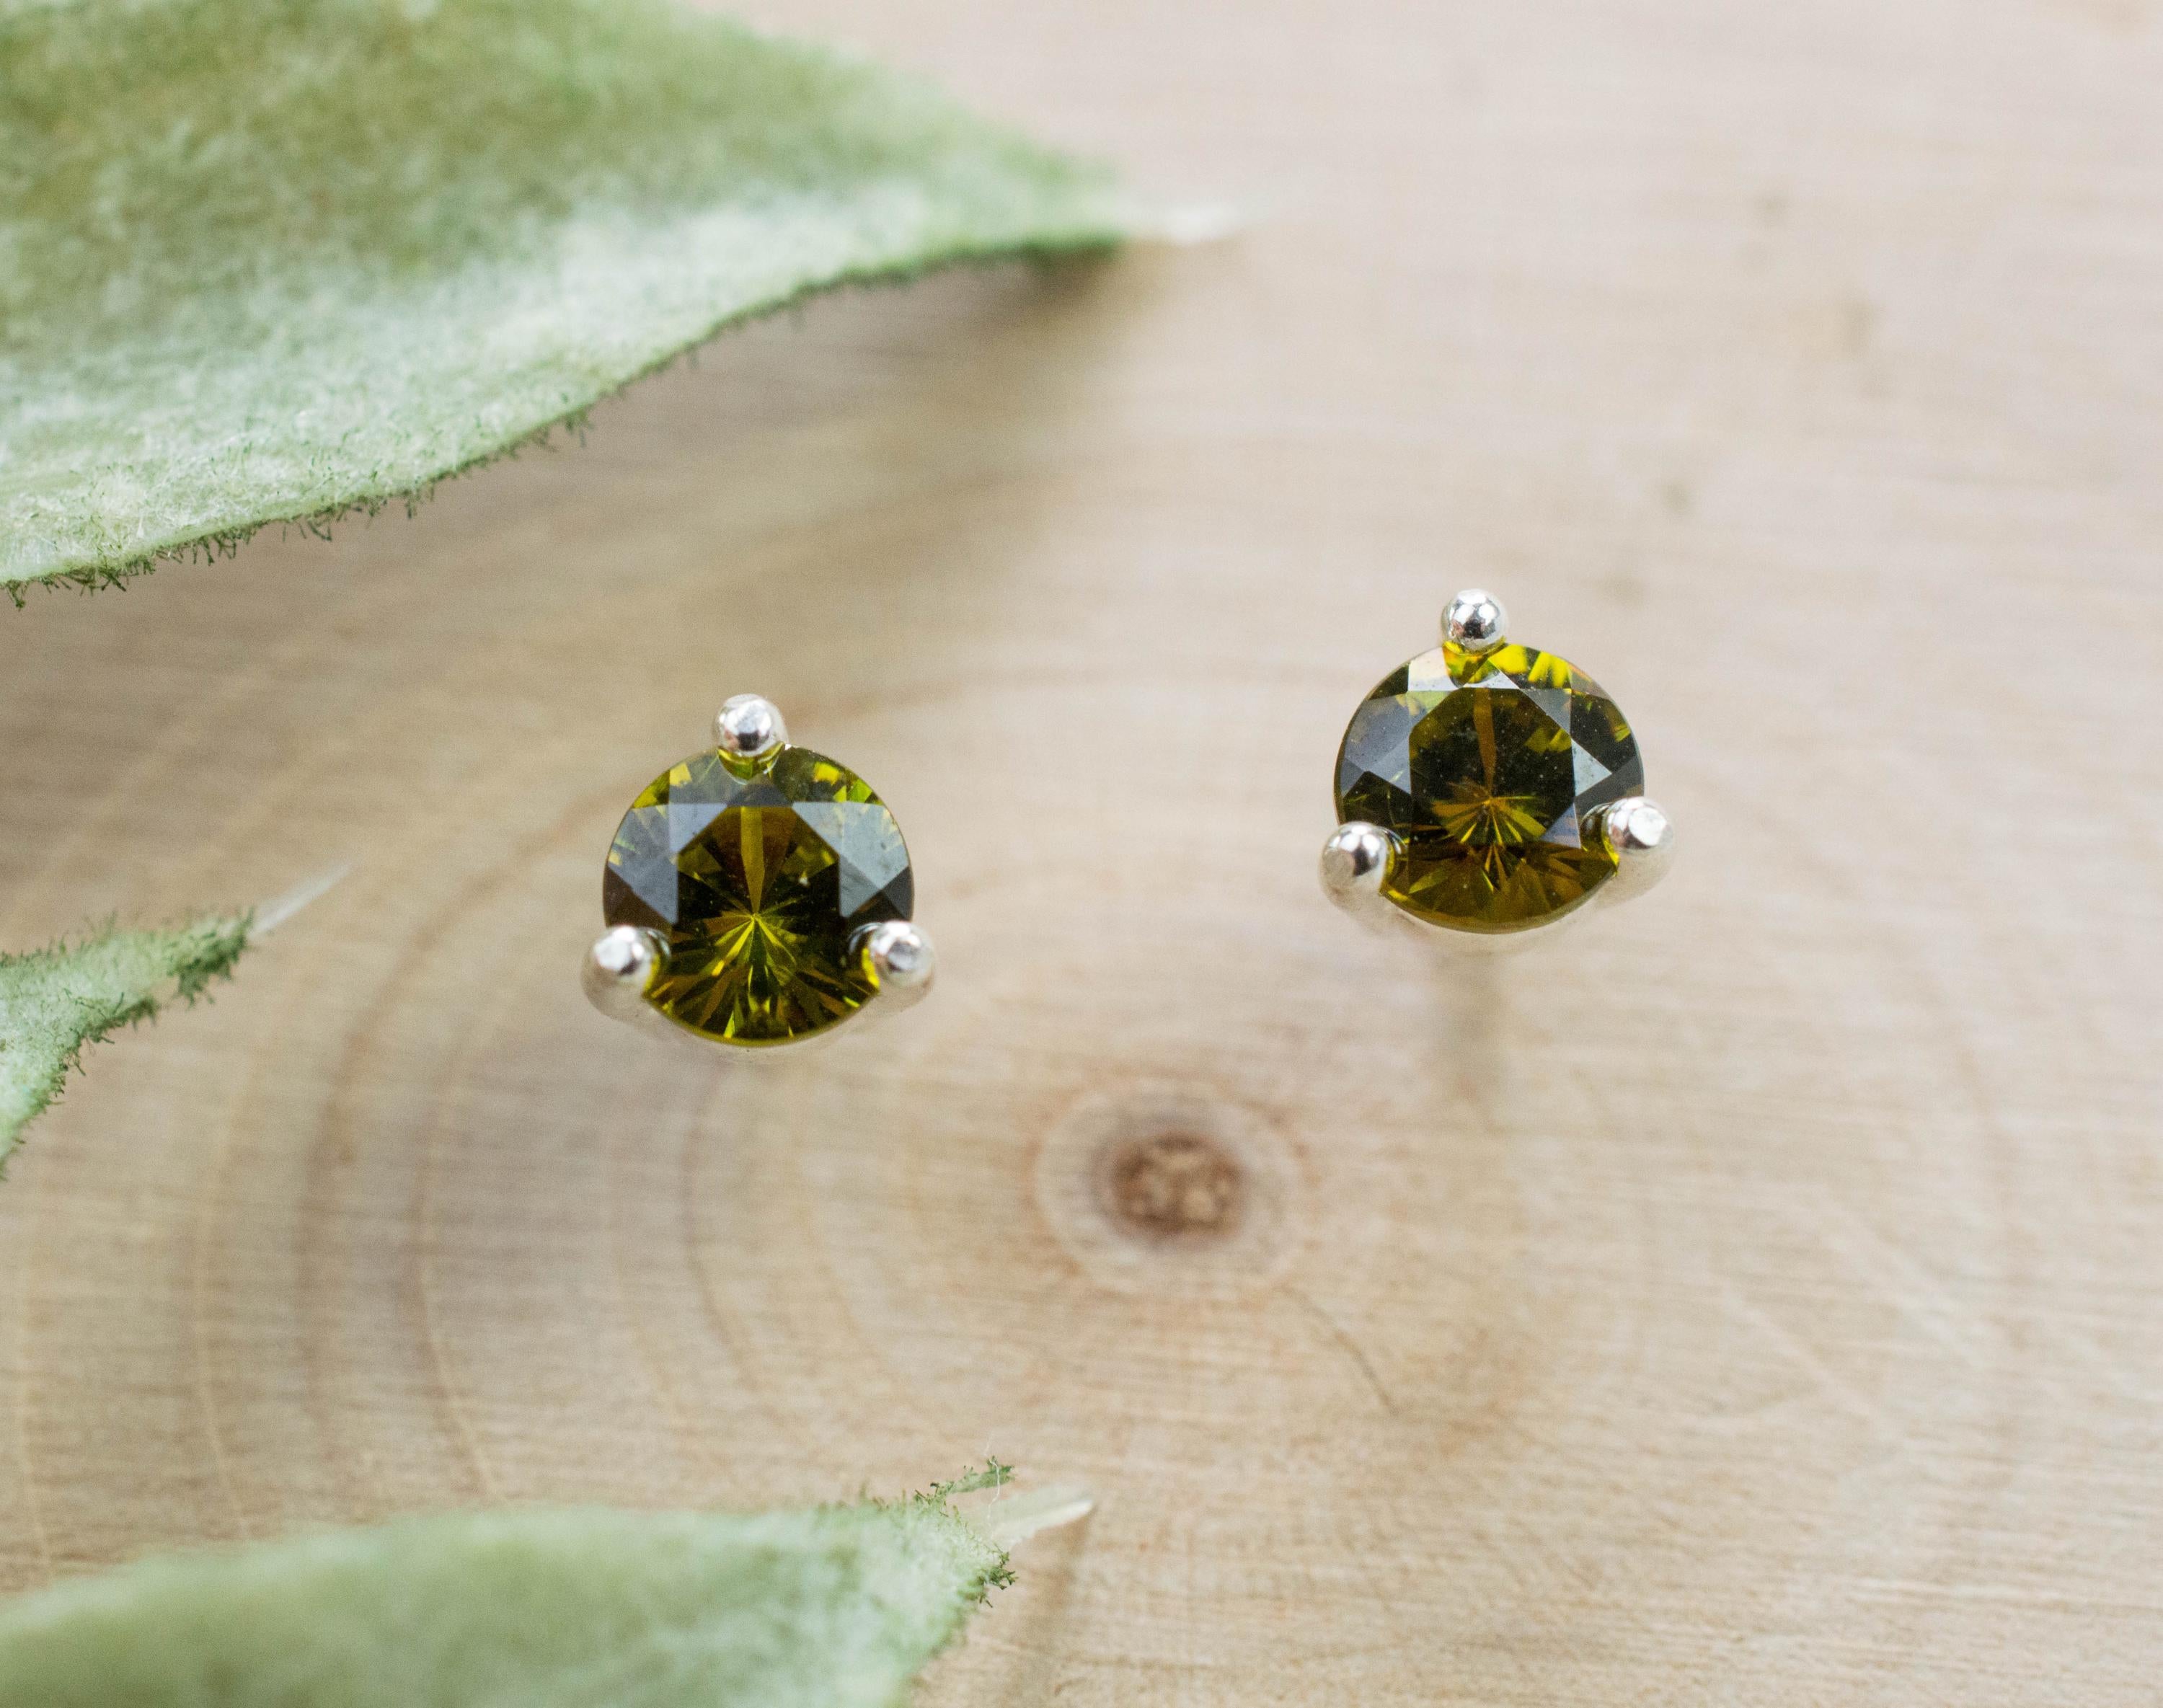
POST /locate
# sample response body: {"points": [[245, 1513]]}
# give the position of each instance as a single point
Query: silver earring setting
{"points": [[757, 895], [1485, 789]]}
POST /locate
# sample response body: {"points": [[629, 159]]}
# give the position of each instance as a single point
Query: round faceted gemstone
{"points": [[758, 883], [1488, 766]]}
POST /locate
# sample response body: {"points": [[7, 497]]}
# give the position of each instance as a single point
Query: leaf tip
{"points": [[1007, 1523], [279, 909], [1191, 224]]}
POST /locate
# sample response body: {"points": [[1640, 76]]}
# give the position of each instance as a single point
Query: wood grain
{"points": [[1756, 1298]]}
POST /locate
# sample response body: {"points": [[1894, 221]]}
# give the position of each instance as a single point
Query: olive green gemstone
{"points": [[758, 883], [1488, 768]]}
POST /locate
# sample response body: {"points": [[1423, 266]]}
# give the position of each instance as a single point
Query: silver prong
{"points": [[1474, 621], [1355, 863], [898, 959], [1644, 844], [749, 730], [618, 969]]}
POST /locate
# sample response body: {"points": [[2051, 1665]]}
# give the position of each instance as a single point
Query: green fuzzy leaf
{"points": [[839, 1606], [54, 1002], [269, 260]]}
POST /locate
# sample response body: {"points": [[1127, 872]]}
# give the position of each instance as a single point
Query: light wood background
{"points": [[1756, 1298]]}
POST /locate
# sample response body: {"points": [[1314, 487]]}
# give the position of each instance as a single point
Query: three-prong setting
{"points": [[1485, 789], [757, 895]]}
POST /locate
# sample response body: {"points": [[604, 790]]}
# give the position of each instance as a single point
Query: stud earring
{"points": [[757, 894], [1487, 788]]}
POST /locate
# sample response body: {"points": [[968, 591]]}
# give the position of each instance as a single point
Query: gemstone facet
{"points": [[1487, 767], [759, 881]]}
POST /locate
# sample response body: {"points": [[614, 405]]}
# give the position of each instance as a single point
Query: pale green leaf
{"points": [[54, 1002], [837, 1606], [273, 260]]}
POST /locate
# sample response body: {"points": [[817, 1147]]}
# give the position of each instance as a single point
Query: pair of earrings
{"points": [[758, 894]]}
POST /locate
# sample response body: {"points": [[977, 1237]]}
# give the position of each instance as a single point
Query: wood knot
{"points": [[1174, 1186], [1160, 1185]]}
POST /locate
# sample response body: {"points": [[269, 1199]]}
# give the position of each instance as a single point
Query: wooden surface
{"points": [[1755, 1298]]}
